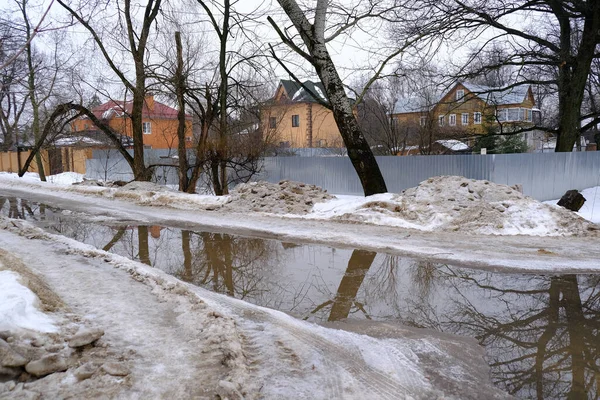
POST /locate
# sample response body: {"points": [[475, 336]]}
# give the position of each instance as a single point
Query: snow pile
{"points": [[453, 203], [591, 207], [65, 178], [18, 306], [137, 186], [287, 197], [446, 203]]}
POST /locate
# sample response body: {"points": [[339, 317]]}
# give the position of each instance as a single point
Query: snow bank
{"points": [[458, 204], [591, 207], [65, 178], [18, 307], [286, 197], [445, 203]]}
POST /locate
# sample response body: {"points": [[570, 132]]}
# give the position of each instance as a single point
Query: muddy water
{"points": [[540, 332]]}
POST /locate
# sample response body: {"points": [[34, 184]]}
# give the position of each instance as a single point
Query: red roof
{"points": [[117, 108]]}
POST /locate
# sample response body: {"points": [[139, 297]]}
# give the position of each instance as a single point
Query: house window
{"points": [[477, 118], [460, 95], [146, 128], [502, 115], [272, 122], [295, 121], [322, 143], [441, 120], [188, 138], [423, 121], [513, 114], [452, 119], [464, 119]]}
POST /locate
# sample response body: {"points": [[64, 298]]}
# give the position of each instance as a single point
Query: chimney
{"points": [[149, 100]]}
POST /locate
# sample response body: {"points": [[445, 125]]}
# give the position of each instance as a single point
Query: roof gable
{"points": [[296, 92], [497, 95], [114, 108]]}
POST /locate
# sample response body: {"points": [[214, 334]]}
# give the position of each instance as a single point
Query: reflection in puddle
{"points": [[540, 331]]}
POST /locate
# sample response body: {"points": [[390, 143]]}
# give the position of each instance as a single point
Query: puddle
{"points": [[540, 332]]}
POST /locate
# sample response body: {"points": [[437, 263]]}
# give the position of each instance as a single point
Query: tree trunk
{"points": [[573, 73], [313, 36], [360, 153], [35, 107], [222, 145], [139, 166], [569, 111], [214, 173], [180, 91]]}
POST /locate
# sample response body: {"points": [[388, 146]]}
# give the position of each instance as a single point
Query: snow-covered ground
{"points": [[446, 203], [18, 306]]}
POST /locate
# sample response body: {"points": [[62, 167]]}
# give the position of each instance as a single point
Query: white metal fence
{"points": [[544, 176]]}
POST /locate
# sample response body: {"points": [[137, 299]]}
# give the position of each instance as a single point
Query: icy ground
{"points": [[145, 203], [165, 338]]}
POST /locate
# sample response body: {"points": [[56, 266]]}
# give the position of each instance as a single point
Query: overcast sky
{"points": [[356, 55]]}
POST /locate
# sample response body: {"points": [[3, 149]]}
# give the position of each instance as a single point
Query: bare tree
{"points": [[136, 47], [555, 48], [218, 91], [14, 95]]}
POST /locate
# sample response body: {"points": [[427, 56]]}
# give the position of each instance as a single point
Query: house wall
{"points": [[449, 105], [163, 131], [316, 128]]}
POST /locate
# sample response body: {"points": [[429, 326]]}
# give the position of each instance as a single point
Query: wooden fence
{"points": [[55, 161]]}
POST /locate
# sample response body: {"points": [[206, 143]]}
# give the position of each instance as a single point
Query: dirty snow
{"points": [[183, 341], [591, 207], [444, 203], [19, 306], [286, 197], [458, 204]]}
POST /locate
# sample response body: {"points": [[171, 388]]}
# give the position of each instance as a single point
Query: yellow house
{"points": [[159, 122], [472, 109], [295, 119]]}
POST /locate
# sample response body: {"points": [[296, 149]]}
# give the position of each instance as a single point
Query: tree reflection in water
{"points": [[16, 208], [540, 332], [233, 265]]}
